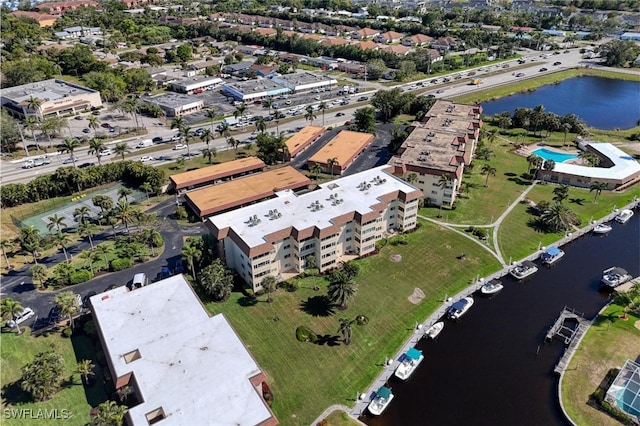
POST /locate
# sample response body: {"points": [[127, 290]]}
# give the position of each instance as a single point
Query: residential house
{"points": [[444, 43], [367, 45], [43, 19], [267, 32], [416, 40], [365, 33], [388, 37], [60, 7], [397, 49]]}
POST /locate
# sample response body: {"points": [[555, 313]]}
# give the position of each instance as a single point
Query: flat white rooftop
{"points": [[191, 365], [296, 211], [624, 165]]}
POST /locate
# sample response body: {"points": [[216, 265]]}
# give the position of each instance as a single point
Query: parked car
{"points": [[543, 69], [180, 146], [78, 117], [20, 317], [85, 300], [440, 91], [157, 139], [54, 314], [84, 165], [340, 114], [95, 112], [175, 138], [198, 132], [70, 160], [520, 74], [145, 158], [105, 125], [363, 98], [86, 130], [557, 63], [145, 143]]}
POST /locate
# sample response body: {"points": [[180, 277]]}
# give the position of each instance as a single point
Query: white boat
{"points": [[459, 308], [492, 287], [624, 216], [380, 401], [551, 255], [434, 330], [602, 228], [410, 361], [523, 270], [615, 276]]}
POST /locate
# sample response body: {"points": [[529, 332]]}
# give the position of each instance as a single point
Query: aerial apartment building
{"points": [[443, 143], [339, 220]]}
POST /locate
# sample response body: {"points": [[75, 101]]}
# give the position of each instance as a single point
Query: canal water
{"points": [[602, 103], [485, 369]]}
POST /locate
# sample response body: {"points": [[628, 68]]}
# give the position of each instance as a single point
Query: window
{"points": [[392, 216], [421, 182], [288, 246], [286, 256], [348, 239], [392, 208], [132, 356], [155, 416]]}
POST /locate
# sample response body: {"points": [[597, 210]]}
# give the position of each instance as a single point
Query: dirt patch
{"points": [[637, 325], [417, 296], [396, 258]]}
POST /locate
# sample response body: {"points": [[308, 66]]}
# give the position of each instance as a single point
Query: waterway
{"points": [[602, 103], [486, 368]]}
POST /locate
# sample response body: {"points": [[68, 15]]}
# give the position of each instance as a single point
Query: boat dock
{"points": [[570, 336], [626, 287]]}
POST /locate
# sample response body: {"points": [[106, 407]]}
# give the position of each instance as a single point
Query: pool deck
{"points": [[527, 150]]}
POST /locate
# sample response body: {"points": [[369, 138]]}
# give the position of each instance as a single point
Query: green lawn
{"points": [[607, 344], [17, 351], [340, 418], [335, 373]]}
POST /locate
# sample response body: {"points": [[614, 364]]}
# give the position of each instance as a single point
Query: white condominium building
{"points": [[341, 218]]}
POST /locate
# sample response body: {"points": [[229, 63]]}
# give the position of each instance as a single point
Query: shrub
{"points": [[304, 334], [80, 276], [362, 320], [181, 213], [380, 244], [289, 286], [67, 332], [120, 264]]}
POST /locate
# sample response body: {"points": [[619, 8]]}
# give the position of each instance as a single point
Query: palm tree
{"points": [[178, 122], [322, 106], [68, 304], [85, 369], [261, 125], [146, 187], [310, 114], [5, 246], [233, 143], [96, 146], [211, 114], [189, 254], [345, 330], [124, 212], [121, 149], [82, 213], [537, 114], [180, 163], [548, 166], [315, 170], [130, 106], [598, 187], [443, 183], [341, 291], [88, 229], [239, 112], [277, 116], [224, 131], [560, 193], [30, 241], [489, 171], [186, 133], [90, 256], [35, 104], [62, 240], [94, 123], [268, 103], [56, 221], [38, 273], [411, 178], [124, 192], [331, 163], [151, 236], [492, 135], [32, 124], [565, 128], [560, 217], [206, 136], [535, 163], [591, 159], [10, 308], [69, 145], [268, 283], [109, 413], [209, 153], [104, 250]]}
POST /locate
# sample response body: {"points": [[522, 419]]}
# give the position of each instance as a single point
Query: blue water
{"points": [[602, 103], [555, 156]]}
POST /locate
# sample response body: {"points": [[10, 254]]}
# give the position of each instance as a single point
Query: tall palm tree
{"points": [[209, 153], [124, 212], [560, 217], [85, 369], [211, 113], [88, 229], [35, 104], [268, 103], [5, 246], [331, 163], [492, 135], [233, 143], [104, 250], [345, 330], [9, 309], [310, 114], [315, 170], [57, 222], [69, 145], [121, 149], [32, 124], [277, 116], [239, 112], [189, 254], [130, 106], [548, 166], [96, 146], [598, 187], [488, 170], [268, 283], [560, 193], [411, 178], [30, 240], [38, 273], [261, 125], [206, 136], [186, 133], [146, 187], [341, 291], [68, 304], [565, 128], [322, 106], [94, 123], [82, 213], [535, 163], [62, 240], [224, 130], [124, 192], [150, 236], [178, 122], [537, 115]]}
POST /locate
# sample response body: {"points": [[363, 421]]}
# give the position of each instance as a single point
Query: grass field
{"points": [[340, 418], [607, 344], [334, 373], [17, 351]]}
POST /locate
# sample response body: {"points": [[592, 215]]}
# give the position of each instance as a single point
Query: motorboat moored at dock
{"points": [[615, 276], [434, 330], [602, 228], [491, 287], [382, 399], [409, 362], [624, 216], [459, 308], [523, 270], [551, 255]]}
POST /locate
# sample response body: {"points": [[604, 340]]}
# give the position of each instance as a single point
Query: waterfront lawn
{"points": [[608, 344], [307, 378], [340, 418], [17, 351], [518, 236]]}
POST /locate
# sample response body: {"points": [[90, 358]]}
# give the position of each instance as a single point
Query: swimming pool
{"points": [[552, 155]]}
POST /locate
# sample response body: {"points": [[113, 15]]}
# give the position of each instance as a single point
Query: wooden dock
{"points": [[626, 287], [570, 336]]}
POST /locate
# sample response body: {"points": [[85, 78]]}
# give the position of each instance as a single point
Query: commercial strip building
{"points": [[302, 140], [342, 149], [442, 144], [196, 84], [304, 81], [254, 89], [56, 97], [175, 104], [183, 366], [617, 168], [198, 178], [240, 192], [341, 218]]}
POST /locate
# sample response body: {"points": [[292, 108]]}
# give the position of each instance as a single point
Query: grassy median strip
{"points": [[335, 373]]}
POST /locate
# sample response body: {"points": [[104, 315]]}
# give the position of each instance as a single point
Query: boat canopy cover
{"points": [[384, 392], [414, 354], [528, 264], [619, 271], [494, 282], [553, 251]]}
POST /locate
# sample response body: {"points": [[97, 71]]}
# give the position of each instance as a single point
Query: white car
{"points": [[106, 152], [176, 138], [146, 158], [20, 317], [180, 146]]}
